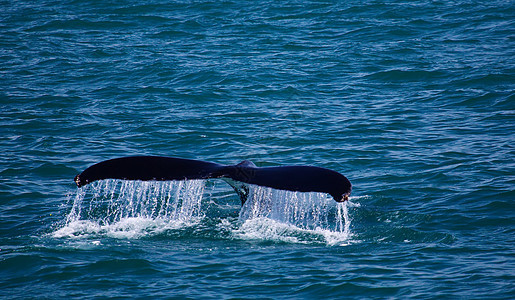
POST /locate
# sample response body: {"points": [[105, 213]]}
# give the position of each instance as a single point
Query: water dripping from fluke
{"points": [[134, 209], [296, 217]]}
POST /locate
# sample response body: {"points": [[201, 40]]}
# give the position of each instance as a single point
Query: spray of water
{"points": [[131, 209], [293, 216]]}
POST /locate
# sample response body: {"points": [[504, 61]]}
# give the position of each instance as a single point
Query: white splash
{"points": [[131, 209], [135, 209], [296, 217]]}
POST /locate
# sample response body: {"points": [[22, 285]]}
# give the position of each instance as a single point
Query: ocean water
{"points": [[414, 101]]}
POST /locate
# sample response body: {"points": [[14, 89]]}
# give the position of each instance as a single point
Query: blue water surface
{"points": [[414, 101]]}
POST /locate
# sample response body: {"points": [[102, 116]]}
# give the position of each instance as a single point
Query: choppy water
{"points": [[412, 100]]}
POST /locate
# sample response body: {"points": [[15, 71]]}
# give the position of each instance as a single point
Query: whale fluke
{"points": [[158, 168]]}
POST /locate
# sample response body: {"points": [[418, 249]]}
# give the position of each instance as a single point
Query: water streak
{"points": [[313, 213], [115, 206], [129, 209], [113, 201]]}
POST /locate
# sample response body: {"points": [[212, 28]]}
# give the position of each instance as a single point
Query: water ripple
{"points": [[412, 101]]}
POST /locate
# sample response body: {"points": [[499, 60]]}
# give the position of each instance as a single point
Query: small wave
{"points": [[77, 24], [407, 75]]}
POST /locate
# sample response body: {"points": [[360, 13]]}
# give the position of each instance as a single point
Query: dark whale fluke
{"points": [[290, 178]]}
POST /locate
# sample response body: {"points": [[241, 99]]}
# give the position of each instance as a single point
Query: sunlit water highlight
{"points": [[134, 209]]}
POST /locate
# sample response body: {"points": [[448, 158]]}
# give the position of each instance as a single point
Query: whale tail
{"points": [[158, 168]]}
